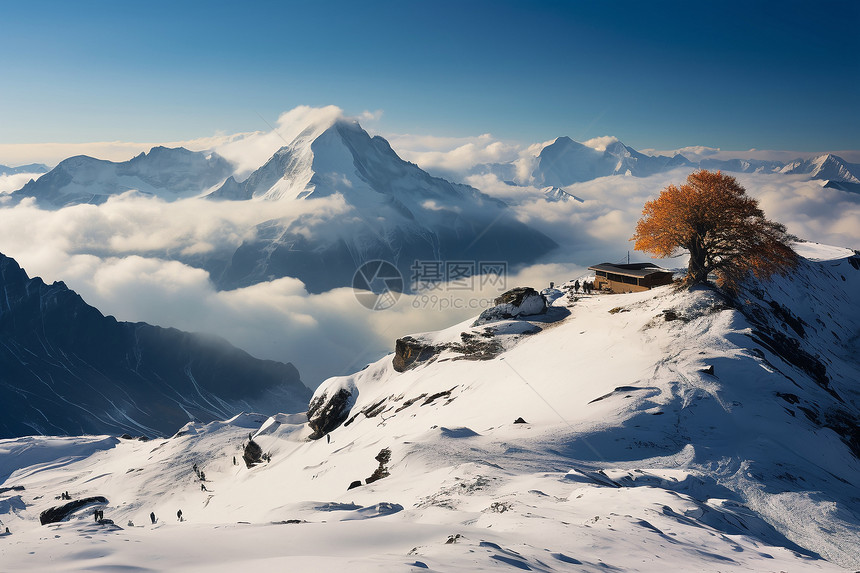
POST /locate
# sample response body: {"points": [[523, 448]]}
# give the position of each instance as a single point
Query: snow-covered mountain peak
{"points": [[168, 173], [827, 166], [340, 157]]}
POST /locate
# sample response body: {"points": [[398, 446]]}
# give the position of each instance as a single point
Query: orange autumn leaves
{"points": [[723, 229]]}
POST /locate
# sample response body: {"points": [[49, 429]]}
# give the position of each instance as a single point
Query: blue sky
{"points": [[662, 74]]}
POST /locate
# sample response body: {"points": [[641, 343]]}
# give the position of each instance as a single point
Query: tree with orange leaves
{"points": [[719, 225]]}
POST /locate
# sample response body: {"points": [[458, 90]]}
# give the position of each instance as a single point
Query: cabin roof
{"points": [[638, 270]]}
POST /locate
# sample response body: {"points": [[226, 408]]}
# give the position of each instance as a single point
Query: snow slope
{"points": [[634, 455]]}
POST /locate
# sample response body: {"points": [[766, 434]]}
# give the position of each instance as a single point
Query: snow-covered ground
{"points": [[634, 455]]}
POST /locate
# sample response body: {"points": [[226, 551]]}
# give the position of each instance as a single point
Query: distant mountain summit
{"points": [[67, 369], [829, 166], [169, 173], [395, 212], [30, 168], [566, 161]]}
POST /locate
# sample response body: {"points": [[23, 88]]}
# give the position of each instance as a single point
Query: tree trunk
{"points": [[697, 269]]}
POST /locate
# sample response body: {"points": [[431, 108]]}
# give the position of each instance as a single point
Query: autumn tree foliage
{"points": [[719, 225]]}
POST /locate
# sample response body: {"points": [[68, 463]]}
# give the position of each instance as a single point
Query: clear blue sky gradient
{"points": [[735, 75]]}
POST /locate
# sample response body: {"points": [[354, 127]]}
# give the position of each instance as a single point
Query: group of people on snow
{"points": [[587, 287]]}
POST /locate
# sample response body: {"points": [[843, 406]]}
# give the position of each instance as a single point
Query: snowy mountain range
{"points": [[656, 431], [168, 173], [565, 162], [395, 212], [65, 369]]}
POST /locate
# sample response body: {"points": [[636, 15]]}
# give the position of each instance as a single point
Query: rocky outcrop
{"points": [[383, 457], [253, 454], [61, 512], [408, 351], [327, 411]]}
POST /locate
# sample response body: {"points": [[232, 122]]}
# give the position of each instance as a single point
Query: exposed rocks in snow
{"points": [[473, 348], [408, 351], [433, 397], [670, 315], [517, 302], [61, 512], [383, 457], [410, 401], [520, 421], [354, 484], [253, 454], [326, 412]]}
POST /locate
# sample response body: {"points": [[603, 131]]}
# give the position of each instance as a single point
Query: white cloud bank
{"points": [[116, 255], [15, 181]]}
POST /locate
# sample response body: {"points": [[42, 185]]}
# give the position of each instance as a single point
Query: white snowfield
{"points": [[632, 457]]}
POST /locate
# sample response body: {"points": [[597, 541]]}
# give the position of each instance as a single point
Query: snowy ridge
{"points": [[661, 431], [565, 162], [31, 168], [824, 167], [167, 173]]}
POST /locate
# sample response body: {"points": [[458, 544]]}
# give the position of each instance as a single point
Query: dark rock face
{"points": [[253, 454], [327, 412], [408, 351], [61, 512], [65, 369]]}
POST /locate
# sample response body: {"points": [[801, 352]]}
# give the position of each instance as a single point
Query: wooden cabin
{"points": [[632, 277]]}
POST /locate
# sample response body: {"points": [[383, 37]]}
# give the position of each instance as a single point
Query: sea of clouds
{"points": [[120, 255]]}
